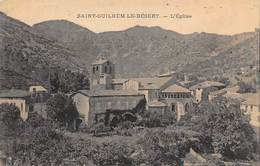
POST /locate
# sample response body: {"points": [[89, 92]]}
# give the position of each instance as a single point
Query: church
{"points": [[111, 99]]}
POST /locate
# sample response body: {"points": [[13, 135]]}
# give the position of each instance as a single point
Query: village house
{"points": [[251, 108], [201, 90], [228, 92], [37, 88], [20, 98], [33, 100]]}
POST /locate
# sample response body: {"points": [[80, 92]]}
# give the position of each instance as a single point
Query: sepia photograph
{"points": [[129, 83]]}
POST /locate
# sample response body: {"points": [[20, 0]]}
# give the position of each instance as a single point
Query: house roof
{"points": [[176, 88], [207, 84], [156, 103], [152, 82], [167, 74], [252, 99], [119, 80], [14, 94], [99, 61], [101, 93], [230, 90]]}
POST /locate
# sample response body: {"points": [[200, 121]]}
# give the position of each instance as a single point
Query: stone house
{"points": [[37, 88], [201, 90], [251, 108], [20, 98]]}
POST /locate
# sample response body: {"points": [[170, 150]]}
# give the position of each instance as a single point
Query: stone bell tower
{"points": [[102, 73]]}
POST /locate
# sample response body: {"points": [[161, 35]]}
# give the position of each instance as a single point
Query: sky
{"points": [[212, 16]]}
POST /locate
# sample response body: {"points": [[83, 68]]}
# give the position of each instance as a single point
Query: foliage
{"points": [[66, 81], [165, 147], [156, 120], [246, 88], [225, 128], [10, 118], [108, 154], [42, 145], [61, 109]]}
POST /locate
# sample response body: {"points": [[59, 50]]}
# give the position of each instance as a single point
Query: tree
{"points": [[65, 81], [10, 118], [62, 110], [226, 128], [42, 145]]}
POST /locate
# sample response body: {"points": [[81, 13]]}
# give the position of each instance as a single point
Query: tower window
{"points": [[105, 69], [97, 68], [110, 69], [94, 70]]}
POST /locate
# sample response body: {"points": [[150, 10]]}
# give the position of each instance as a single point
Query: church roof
{"points": [[207, 84], [101, 93], [176, 88]]}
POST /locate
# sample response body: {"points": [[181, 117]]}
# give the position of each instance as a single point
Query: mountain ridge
{"points": [[153, 45]]}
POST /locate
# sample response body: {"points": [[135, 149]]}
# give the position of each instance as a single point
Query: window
{"points": [[109, 105], [110, 69], [173, 107], [105, 69], [94, 70], [21, 106]]}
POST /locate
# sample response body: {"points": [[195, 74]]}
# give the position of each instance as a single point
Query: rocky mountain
{"points": [[27, 56], [144, 51]]}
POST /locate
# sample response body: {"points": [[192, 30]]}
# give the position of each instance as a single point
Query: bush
{"points": [[225, 128], [108, 154]]}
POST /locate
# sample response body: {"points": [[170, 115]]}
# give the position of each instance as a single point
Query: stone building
{"points": [[251, 108], [103, 105], [20, 98], [109, 98], [102, 73], [179, 100], [201, 90]]}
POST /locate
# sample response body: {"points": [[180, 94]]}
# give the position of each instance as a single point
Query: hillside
{"points": [[161, 50], [26, 55]]}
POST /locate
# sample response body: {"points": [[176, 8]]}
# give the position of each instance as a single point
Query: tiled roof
{"points": [[14, 94], [156, 103], [100, 61], [101, 93], [176, 88], [167, 74], [119, 80], [233, 89], [151, 83], [207, 84]]}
